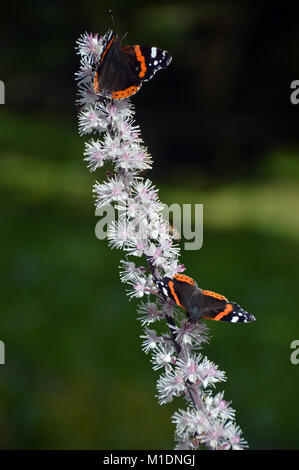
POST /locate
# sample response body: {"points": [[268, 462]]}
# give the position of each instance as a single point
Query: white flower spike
{"points": [[142, 232]]}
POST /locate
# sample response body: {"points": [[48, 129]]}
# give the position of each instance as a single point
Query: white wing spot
{"points": [[154, 52], [235, 319], [165, 291]]}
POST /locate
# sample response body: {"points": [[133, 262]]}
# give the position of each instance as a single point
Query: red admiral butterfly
{"points": [[200, 303], [121, 71]]}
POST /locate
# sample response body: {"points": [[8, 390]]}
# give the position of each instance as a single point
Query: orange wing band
{"points": [[141, 59], [119, 95], [225, 312], [171, 287], [105, 51], [214, 294], [96, 83], [184, 278]]}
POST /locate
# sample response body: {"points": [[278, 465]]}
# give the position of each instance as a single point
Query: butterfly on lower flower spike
{"points": [[120, 71], [199, 303]]}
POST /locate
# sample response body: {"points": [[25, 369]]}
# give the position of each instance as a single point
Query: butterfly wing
{"points": [[218, 308], [199, 303], [115, 76], [147, 60], [180, 289], [116, 80], [121, 70]]}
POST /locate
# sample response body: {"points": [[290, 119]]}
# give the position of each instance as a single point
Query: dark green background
{"points": [[222, 132]]}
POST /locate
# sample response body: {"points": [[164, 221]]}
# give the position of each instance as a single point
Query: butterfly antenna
{"points": [[113, 22]]}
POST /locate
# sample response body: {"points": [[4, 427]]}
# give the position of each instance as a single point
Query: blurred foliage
{"points": [[222, 105], [75, 375], [222, 132]]}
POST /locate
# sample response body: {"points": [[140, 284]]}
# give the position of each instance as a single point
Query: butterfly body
{"points": [[120, 71], [201, 303]]}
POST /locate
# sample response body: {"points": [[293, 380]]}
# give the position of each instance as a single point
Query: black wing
{"points": [[146, 60], [121, 70], [182, 292], [222, 310], [214, 308], [115, 76]]}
